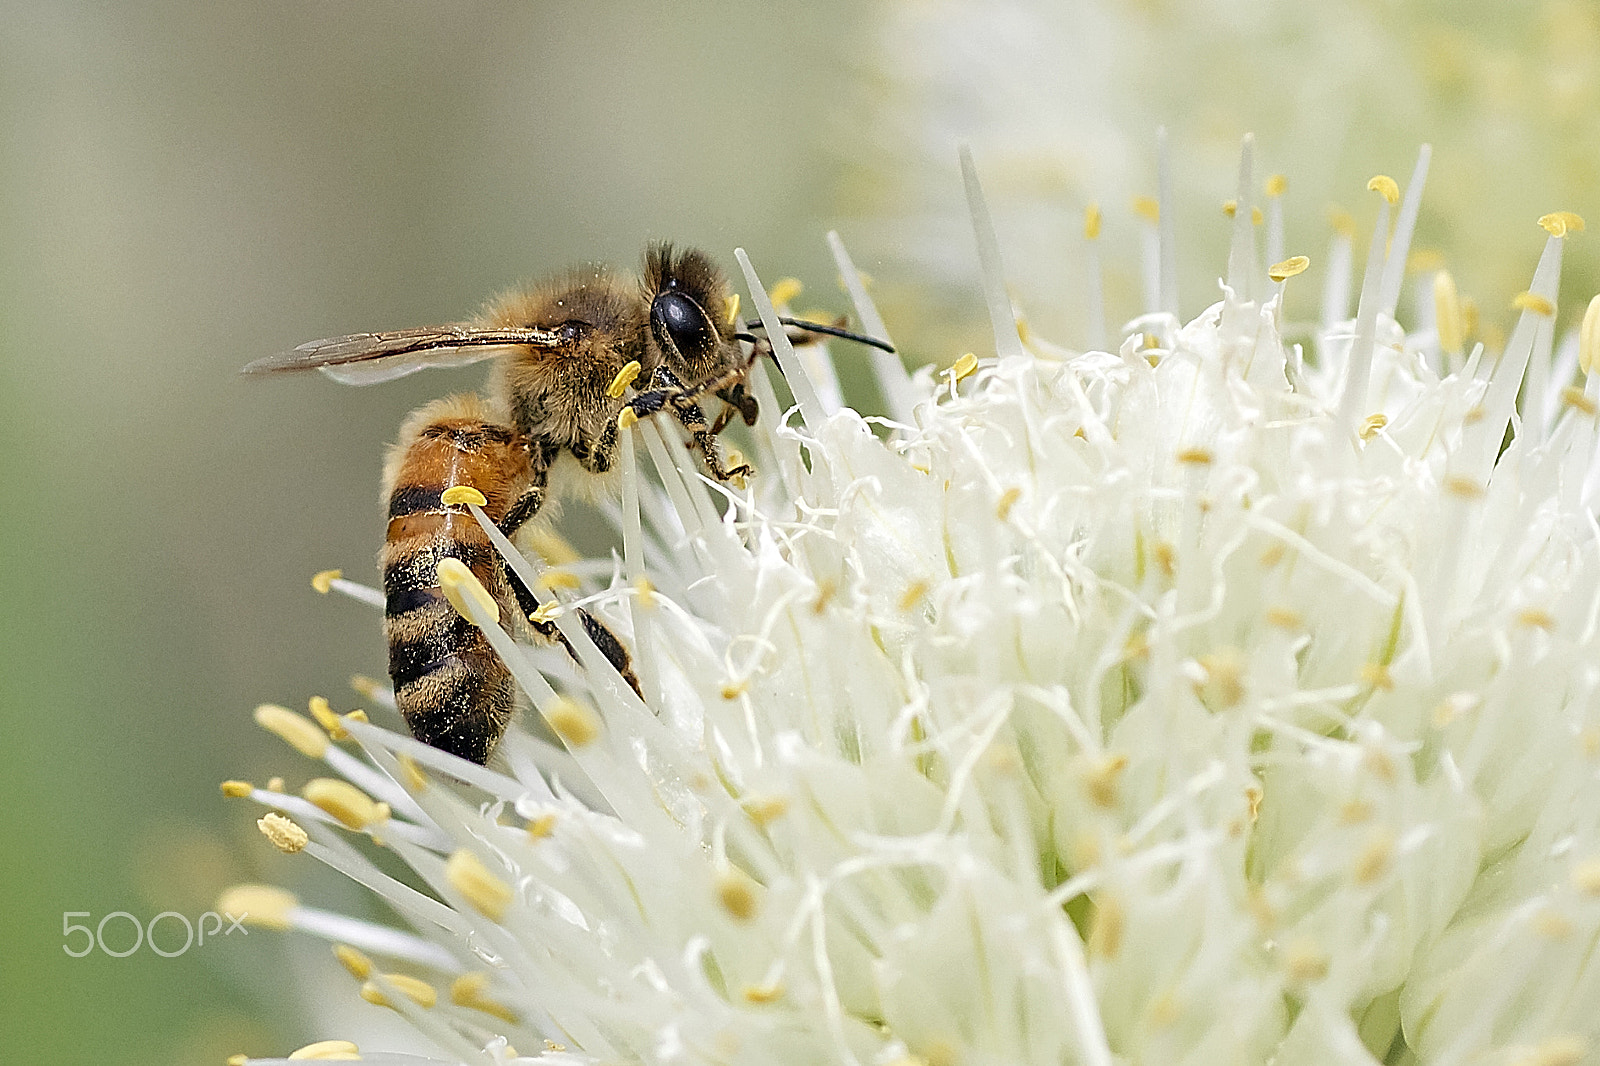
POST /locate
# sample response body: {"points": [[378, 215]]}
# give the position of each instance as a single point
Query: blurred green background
{"points": [[186, 186]]}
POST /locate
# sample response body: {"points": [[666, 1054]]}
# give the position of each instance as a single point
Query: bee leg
{"points": [[667, 391], [740, 397], [527, 505], [612, 648], [694, 420]]}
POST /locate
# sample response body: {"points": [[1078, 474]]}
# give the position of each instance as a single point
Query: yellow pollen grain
{"points": [[1464, 487], [1277, 185], [275, 784], [237, 789], [913, 595], [964, 367], [328, 1051], [1284, 618], [417, 991], [626, 418], [1342, 222], [1147, 208], [738, 894], [1373, 425], [461, 587], [784, 290], [1564, 1050], [1562, 223], [284, 834], [1425, 261], [1091, 222], [1532, 301], [761, 994], [1385, 186], [470, 990], [1106, 927], [540, 826], [1007, 500], [460, 495], [323, 580], [559, 579], [1575, 398], [1586, 877], [1372, 862], [1230, 207], [624, 378], [323, 713], [411, 775], [732, 310], [645, 590], [354, 960], [573, 722], [1377, 675], [1295, 264], [1535, 618], [1447, 313], [1196, 456], [267, 906], [488, 894], [298, 732], [764, 810], [353, 808], [1589, 338], [1101, 780]]}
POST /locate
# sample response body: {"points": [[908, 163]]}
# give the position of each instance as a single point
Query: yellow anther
{"points": [[1253, 795], [411, 775], [1008, 499], [1464, 487], [1469, 317], [1447, 312], [732, 690], [1256, 217], [548, 611], [732, 310], [275, 784], [1425, 261], [285, 835], [237, 1060], [237, 789], [626, 418], [1377, 675], [541, 826], [964, 367], [323, 580], [1586, 877], [357, 715], [356, 962], [784, 291], [1385, 187], [419, 992], [1230, 207], [1091, 222], [1224, 682], [558, 579], [913, 595], [1536, 618], [1373, 425], [645, 590], [738, 893], [762, 994], [1564, 1050], [1532, 301], [1285, 618], [1373, 860], [1562, 223], [1101, 780], [465, 592], [328, 1051], [1295, 264], [1305, 962], [1196, 456], [1277, 185], [1147, 208], [470, 990], [572, 721], [624, 378], [327, 719], [353, 808], [460, 495], [1342, 222], [298, 732], [367, 687], [488, 894], [1589, 338], [764, 810], [265, 905], [552, 547], [1575, 398], [1106, 926]]}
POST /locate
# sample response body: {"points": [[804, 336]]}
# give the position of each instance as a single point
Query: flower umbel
{"points": [[1193, 702]]}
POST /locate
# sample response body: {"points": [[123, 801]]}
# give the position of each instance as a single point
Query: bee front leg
{"points": [[667, 391]]}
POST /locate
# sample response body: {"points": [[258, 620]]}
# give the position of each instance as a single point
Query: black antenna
{"points": [[818, 327]]}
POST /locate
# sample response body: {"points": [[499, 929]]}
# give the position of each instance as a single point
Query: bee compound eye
{"points": [[677, 318]]}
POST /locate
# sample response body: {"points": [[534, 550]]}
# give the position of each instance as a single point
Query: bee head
{"points": [[686, 290]]}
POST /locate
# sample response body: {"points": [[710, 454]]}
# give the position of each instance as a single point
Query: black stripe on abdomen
{"points": [[415, 499]]}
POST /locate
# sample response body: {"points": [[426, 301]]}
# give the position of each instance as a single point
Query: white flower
{"points": [[1196, 702]]}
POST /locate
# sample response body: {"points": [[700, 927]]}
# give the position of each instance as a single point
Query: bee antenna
{"points": [[832, 331]]}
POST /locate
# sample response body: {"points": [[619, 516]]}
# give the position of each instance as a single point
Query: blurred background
{"points": [[186, 186]]}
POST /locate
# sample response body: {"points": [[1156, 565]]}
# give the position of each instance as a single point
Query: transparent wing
{"points": [[365, 358]]}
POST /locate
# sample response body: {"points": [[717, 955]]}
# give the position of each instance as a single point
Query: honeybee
{"points": [[569, 349], [450, 686]]}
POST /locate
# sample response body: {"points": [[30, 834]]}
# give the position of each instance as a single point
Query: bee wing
{"points": [[365, 358]]}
